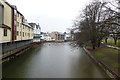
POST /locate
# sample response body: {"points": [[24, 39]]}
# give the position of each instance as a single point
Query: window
{"points": [[23, 34], [1, 15], [22, 19], [17, 32], [20, 33], [18, 24], [18, 14], [5, 32]]}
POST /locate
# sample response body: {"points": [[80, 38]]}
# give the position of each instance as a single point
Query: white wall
{"points": [[46, 37], [37, 32]]}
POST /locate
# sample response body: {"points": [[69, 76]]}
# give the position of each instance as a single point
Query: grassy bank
{"points": [[108, 56]]}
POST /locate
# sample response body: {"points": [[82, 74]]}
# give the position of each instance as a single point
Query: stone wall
{"points": [[11, 48]]}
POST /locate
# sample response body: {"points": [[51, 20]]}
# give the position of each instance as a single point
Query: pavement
{"points": [[110, 46], [118, 48]]}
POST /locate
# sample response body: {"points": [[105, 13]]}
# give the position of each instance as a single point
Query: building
{"points": [[46, 37], [15, 33], [57, 36], [21, 30], [36, 32], [67, 37], [5, 22]]}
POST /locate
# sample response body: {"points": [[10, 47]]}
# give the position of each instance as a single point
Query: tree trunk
{"points": [[93, 46], [106, 40], [115, 41]]}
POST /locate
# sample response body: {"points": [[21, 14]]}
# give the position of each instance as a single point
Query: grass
{"points": [[111, 42], [116, 65], [109, 56], [107, 50]]}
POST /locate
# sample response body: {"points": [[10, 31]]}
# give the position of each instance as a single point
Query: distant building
{"points": [[57, 35], [46, 37], [67, 37], [36, 32]]}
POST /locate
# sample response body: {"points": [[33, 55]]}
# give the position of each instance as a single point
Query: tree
{"points": [[95, 23], [114, 19]]}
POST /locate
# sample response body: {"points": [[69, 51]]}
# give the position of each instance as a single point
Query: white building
{"points": [[46, 37], [67, 36], [36, 32]]}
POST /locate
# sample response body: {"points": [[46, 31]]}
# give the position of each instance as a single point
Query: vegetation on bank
{"points": [[96, 23], [108, 56], [111, 42]]}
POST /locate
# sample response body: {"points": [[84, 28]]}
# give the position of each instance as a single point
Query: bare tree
{"points": [[96, 23], [114, 19]]}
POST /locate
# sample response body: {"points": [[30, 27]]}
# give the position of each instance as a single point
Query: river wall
{"points": [[11, 49]]}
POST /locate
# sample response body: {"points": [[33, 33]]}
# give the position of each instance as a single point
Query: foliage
{"points": [[97, 21]]}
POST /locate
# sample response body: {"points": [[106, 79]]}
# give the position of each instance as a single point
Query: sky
{"points": [[52, 15]]}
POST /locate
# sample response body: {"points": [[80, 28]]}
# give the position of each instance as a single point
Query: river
{"points": [[52, 60]]}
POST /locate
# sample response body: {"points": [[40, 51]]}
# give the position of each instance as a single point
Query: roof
{"points": [[27, 24], [15, 7], [34, 24], [58, 33], [7, 3], [12, 6]]}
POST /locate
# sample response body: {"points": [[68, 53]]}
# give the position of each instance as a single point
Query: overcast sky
{"points": [[52, 15]]}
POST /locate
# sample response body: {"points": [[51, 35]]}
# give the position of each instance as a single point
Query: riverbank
{"points": [[11, 54], [14, 53], [103, 61]]}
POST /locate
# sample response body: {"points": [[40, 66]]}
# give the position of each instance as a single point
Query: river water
{"points": [[52, 60]]}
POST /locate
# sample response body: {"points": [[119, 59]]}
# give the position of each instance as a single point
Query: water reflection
{"points": [[52, 60]]}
